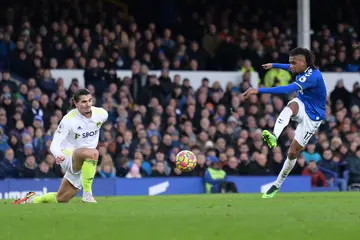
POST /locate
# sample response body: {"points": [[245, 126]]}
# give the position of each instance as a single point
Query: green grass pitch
{"points": [[242, 216]]}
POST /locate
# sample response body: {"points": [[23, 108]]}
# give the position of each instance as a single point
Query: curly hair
{"points": [[309, 56]]}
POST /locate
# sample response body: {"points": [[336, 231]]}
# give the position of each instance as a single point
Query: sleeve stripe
{"points": [[71, 115], [299, 85]]}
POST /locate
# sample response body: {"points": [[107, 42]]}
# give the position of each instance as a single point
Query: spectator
{"points": [[260, 166], [8, 105], [160, 157], [331, 171], [3, 141], [9, 165], [7, 82], [277, 77], [6, 47], [106, 168], [340, 93], [32, 112], [231, 169], [317, 177], [211, 41], [144, 167], [201, 166], [47, 83], [353, 161], [159, 170], [134, 172], [310, 154], [107, 171], [30, 167], [215, 180], [44, 171], [53, 167]]}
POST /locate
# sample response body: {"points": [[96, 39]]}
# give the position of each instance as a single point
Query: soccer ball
{"points": [[185, 161]]}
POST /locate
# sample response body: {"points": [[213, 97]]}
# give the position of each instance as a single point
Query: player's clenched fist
{"points": [[59, 159], [267, 66]]}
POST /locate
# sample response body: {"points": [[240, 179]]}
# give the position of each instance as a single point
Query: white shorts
{"points": [[306, 127], [73, 177]]}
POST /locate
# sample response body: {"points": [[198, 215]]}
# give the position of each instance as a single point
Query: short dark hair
{"points": [[309, 56], [76, 97]]}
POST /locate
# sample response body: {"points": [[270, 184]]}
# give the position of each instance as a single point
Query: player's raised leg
{"points": [[282, 121], [293, 153], [309, 108], [85, 159]]}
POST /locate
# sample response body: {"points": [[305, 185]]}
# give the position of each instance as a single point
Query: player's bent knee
{"points": [[87, 153], [94, 154], [294, 106], [61, 199]]}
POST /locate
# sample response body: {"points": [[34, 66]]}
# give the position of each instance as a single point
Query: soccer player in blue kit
{"points": [[308, 108]]}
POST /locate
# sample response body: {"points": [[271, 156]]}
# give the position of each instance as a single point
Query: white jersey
{"points": [[77, 131]]}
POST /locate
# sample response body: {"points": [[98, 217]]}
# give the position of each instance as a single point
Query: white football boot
{"points": [[88, 198]]}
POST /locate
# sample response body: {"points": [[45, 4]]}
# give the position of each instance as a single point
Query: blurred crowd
{"points": [[77, 34], [151, 118]]}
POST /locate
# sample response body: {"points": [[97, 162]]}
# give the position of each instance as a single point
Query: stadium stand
{"points": [[152, 117]]}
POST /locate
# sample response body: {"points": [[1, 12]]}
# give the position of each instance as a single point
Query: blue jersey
{"points": [[312, 93]]}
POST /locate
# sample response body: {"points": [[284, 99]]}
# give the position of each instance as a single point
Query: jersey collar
{"points": [[82, 116]]}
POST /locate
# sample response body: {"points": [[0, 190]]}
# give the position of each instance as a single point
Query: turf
{"points": [[242, 216]]}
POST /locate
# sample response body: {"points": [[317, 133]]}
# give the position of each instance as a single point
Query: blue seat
{"points": [[324, 170]]}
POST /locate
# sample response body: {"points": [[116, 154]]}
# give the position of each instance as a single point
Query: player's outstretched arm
{"points": [[274, 90], [267, 66]]}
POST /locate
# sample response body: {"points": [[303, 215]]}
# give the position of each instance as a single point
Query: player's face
{"points": [[84, 104], [297, 64]]}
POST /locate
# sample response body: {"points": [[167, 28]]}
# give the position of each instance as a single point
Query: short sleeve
{"points": [[306, 81], [104, 116], [64, 126], [101, 114]]}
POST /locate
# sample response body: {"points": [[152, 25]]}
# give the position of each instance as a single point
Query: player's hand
{"points": [[267, 66], [249, 92], [59, 159]]}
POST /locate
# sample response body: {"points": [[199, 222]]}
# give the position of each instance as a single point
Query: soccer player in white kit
{"points": [[74, 148]]}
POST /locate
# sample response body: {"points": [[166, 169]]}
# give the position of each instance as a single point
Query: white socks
{"points": [[282, 121], [286, 169]]}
